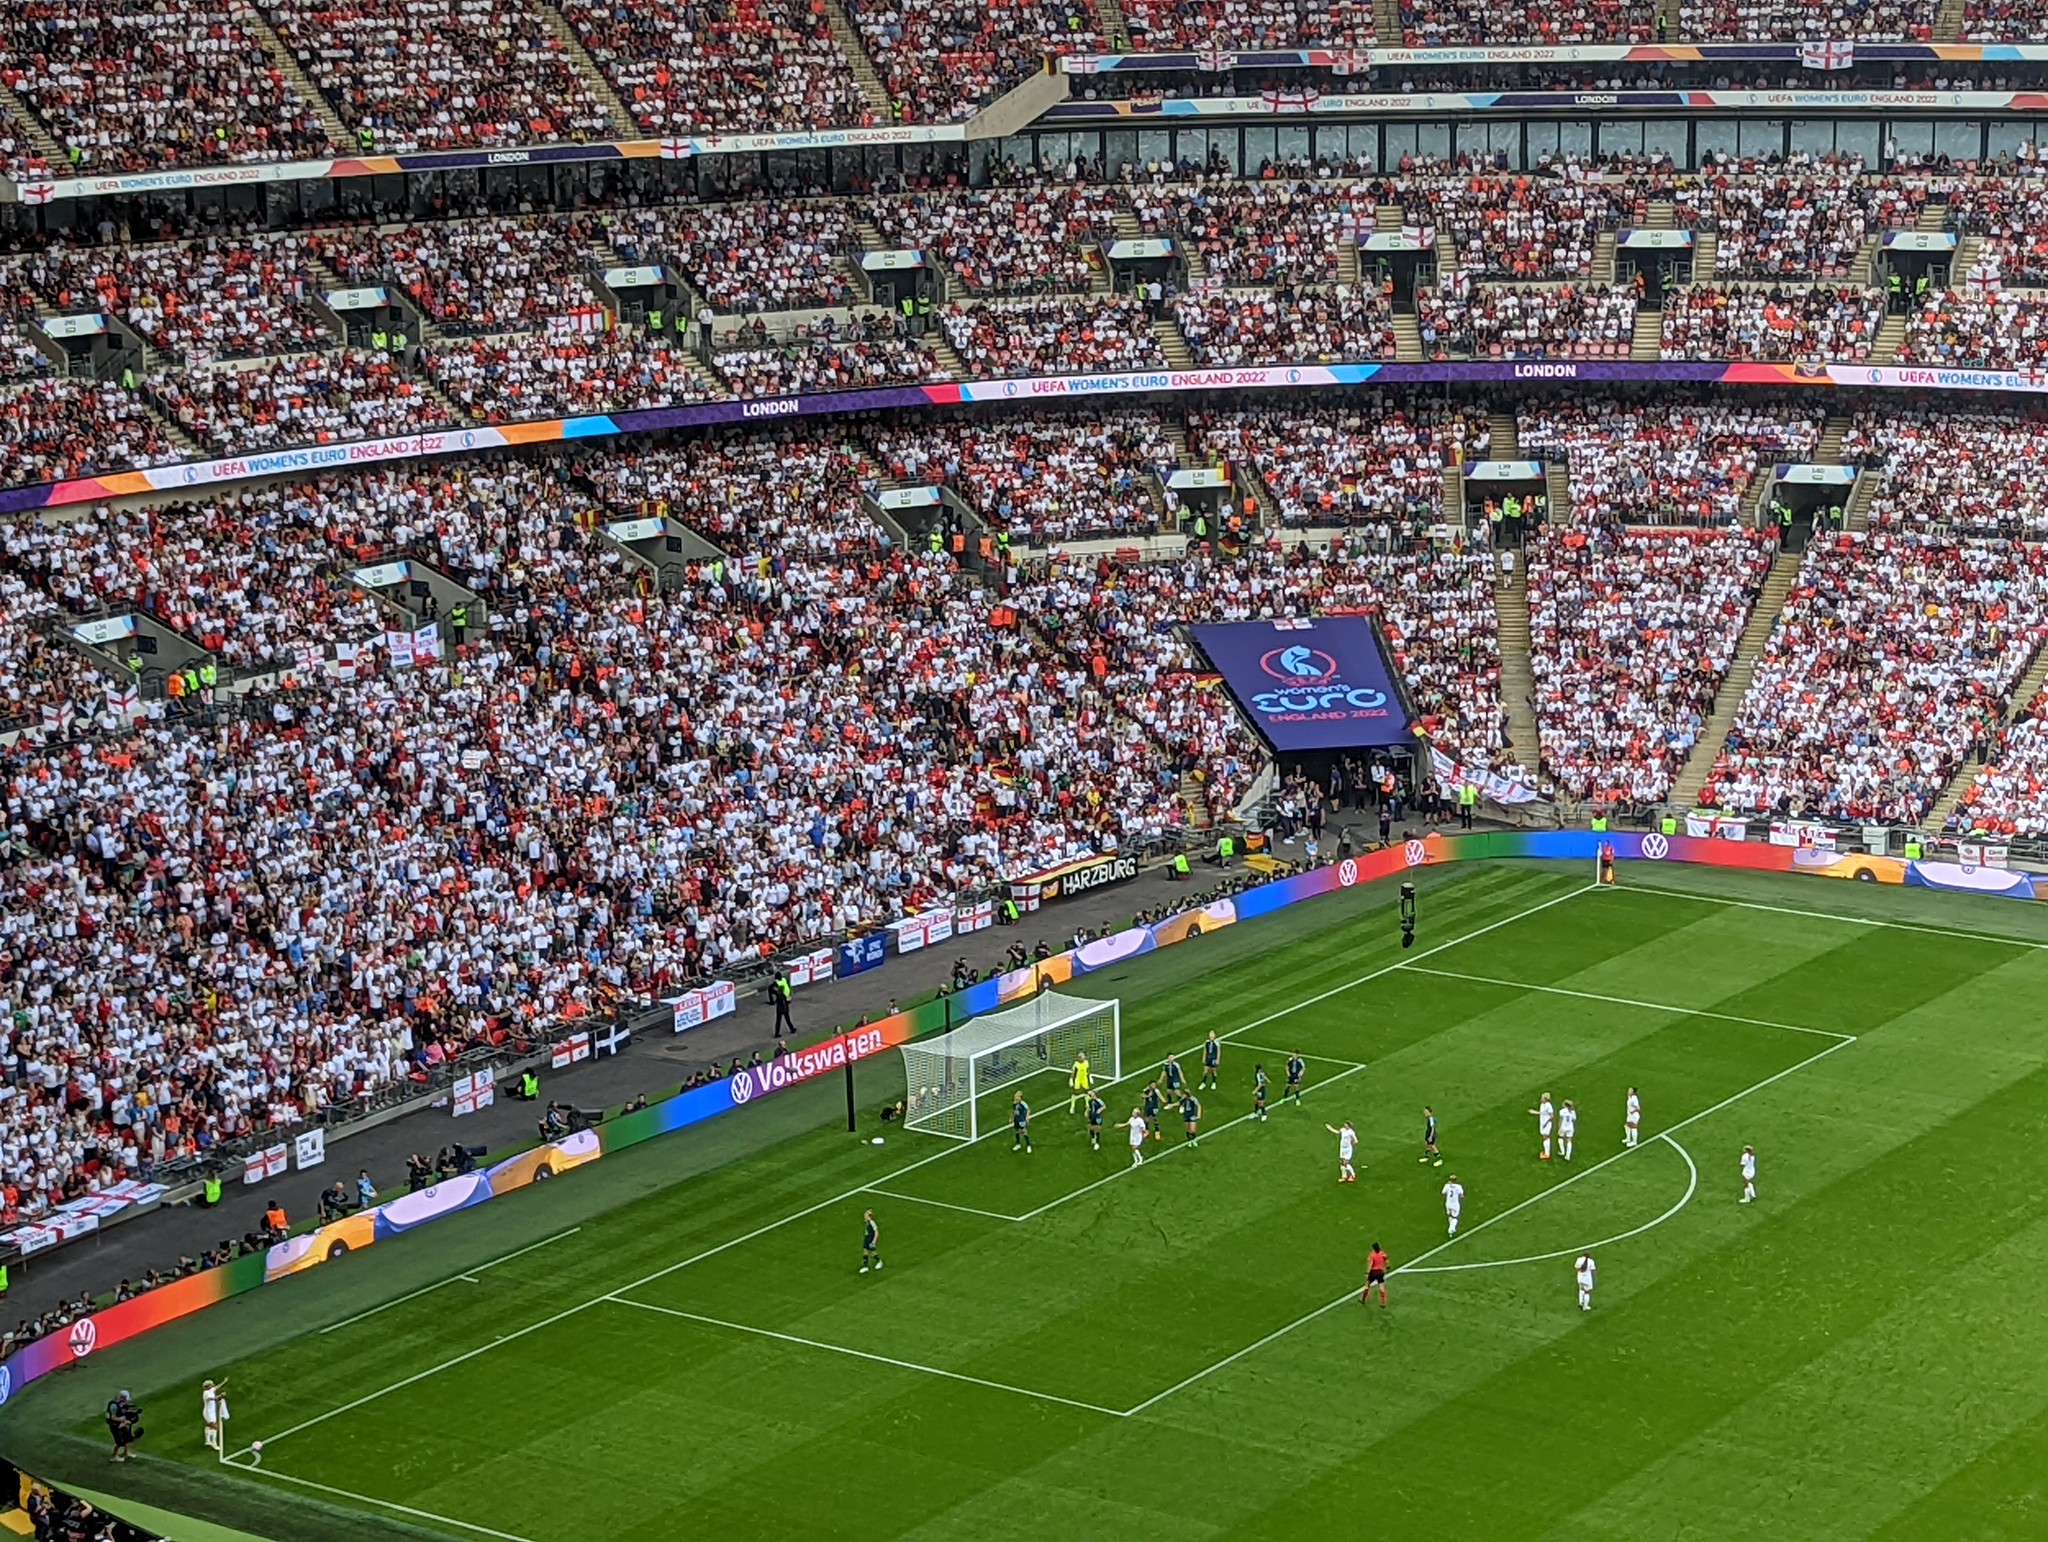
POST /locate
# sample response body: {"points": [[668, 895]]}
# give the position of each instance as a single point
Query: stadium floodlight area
{"points": [[946, 1077]]}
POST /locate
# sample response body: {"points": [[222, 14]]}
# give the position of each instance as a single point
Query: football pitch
{"points": [[1062, 1344]]}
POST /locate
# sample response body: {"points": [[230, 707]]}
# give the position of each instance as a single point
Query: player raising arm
{"points": [[1136, 1125], [213, 1409], [1347, 1147]]}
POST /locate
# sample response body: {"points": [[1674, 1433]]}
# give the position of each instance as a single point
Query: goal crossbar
{"points": [[946, 1076]]}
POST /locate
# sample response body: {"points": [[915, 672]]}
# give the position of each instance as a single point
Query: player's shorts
{"points": [[1454, 1211], [1376, 1277]]}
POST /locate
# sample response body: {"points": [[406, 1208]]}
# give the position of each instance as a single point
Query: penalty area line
{"points": [[470, 1277], [370, 1499], [940, 1204], [1414, 1266], [868, 1355], [1630, 1001]]}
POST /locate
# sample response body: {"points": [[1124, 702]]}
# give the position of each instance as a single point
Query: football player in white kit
{"points": [[1347, 1147], [1454, 1203], [213, 1408], [1136, 1125], [1748, 1175], [1632, 1129], [1567, 1127], [1583, 1267], [1546, 1116]]}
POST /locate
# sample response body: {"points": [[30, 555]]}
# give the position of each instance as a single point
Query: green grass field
{"points": [[1063, 1345]]}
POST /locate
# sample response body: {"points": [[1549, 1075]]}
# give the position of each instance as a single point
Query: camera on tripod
{"points": [[1407, 915]]}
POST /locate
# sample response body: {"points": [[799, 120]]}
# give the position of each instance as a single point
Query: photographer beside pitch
{"points": [[124, 1423]]}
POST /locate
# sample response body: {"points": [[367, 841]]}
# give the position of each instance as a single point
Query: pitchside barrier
{"points": [[405, 1213]]}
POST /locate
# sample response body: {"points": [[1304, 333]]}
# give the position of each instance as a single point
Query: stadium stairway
{"points": [[1692, 776], [1602, 271], [584, 65], [1706, 247], [865, 75], [1503, 437], [1558, 479], [870, 236], [1177, 436], [1174, 344], [2031, 685], [948, 356], [1670, 19], [1890, 338], [1347, 261], [1446, 255], [1933, 214], [1660, 214], [1863, 271], [1948, 21], [1128, 226], [1454, 497], [38, 136], [1388, 218], [1101, 277], [1649, 339], [1517, 679], [1386, 24], [1407, 338], [1833, 435], [1109, 20], [345, 138], [1968, 249], [1856, 514], [1195, 800], [1198, 266]]}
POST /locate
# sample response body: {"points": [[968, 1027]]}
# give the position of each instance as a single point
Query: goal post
{"points": [[946, 1076]]}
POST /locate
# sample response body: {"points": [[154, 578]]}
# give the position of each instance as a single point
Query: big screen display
{"points": [[1308, 685]]}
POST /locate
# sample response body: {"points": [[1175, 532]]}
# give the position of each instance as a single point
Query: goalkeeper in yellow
{"points": [[1078, 1081]]}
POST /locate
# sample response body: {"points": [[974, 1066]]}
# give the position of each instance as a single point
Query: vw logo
{"points": [[742, 1087], [1416, 853], [1656, 848], [83, 1336], [1347, 872]]}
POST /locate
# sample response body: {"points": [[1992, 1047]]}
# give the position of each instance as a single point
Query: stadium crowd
{"points": [[1973, 471], [1034, 240], [1973, 329], [309, 398], [1569, 321], [754, 255], [520, 375], [1323, 325], [1054, 335], [1666, 463], [1808, 321], [824, 355]]}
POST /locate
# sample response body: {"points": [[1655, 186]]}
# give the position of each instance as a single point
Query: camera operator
{"points": [[124, 1422]]}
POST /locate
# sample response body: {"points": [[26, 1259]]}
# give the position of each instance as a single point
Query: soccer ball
{"points": [[256, 1453]]}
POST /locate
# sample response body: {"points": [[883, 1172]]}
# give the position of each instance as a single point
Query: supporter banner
{"points": [[1491, 784], [1270, 377], [52, 1230], [977, 917], [1787, 832], [1131, 251], [1920, 240], [914, 932], [1396, 241], [1817, 476], [1308, 685], [571, 1051], [267, 1163], [857, 955], [1504, 471], [1653, 240], [475, 1092], [810, 968], [1076, 877], [309, 1149], [1711, 826], [1436, 102]]}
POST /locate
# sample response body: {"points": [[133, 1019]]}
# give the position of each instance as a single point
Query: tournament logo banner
{"points": [[1308, 685]]}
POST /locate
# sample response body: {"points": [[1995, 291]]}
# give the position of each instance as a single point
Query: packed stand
{"points": [[411, 75], [824, 355], [1894, 653], [20, 159], [1029, 240], [314, 398], [1531, 226], [1053, 335], [1450, 23], [2009, 209], [1253, 233], [1631, 633], [1973, 471], [942, 59], [2009, 795], [1549, 321], [20, 358], [1798, 222], [1173, 26], [518, 376], [59, 429], [1377, 466], [1044, 480], [483, 275], [1974, 329], [1234, 326], [1664, 463], [39, 672], [753, 255], [1791, 21], [136, 85], [221, 296], [1837, 322], [758, 66]]}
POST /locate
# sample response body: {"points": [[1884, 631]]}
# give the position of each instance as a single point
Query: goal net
{"points": [[946, 1078]]}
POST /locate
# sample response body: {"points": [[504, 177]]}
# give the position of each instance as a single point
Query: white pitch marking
{"points": [[386, 1504], [1626, 1001], [941, 1204], [862, 1354], [1692, 1185], [1823, 915], [1267, 1049], [471, 1278], [1414, 1265]]}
